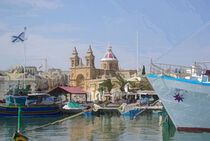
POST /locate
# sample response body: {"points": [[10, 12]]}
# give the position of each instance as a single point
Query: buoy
{"points": [[19, 137]]}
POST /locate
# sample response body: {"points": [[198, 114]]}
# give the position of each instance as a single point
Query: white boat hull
{"points": [[186, 102]]}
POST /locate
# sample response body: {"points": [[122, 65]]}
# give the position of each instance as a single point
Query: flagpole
{"points": [[137, 51], [24, 78], [21, 38]]}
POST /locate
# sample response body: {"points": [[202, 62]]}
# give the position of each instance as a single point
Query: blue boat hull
{"points": [[32, 111], [132, 112]]}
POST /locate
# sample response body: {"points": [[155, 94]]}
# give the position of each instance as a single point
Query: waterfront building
{"points": [[38, 80], [88, 77]]}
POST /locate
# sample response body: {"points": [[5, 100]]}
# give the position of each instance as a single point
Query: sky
{"points": [[169, 31]]}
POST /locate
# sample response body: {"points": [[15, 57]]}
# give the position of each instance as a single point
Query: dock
{"points": [[71, 111], [115, 110]]}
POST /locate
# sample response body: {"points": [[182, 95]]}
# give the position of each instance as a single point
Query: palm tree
{"points": [[133, 84], [121, 82], [101, 87], [107, 84]]}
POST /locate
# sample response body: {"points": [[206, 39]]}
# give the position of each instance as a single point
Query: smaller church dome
{"points": [[109, 55]]}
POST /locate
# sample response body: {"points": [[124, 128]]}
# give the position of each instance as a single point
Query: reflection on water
{"points": [[169, 133], [9, 126], [168, 129], [104, 128], [91, 128], [115, 128]]}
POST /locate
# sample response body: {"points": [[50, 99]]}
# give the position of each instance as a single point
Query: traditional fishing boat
{"points": [[75, 108], [129, 109], [184, 92], [32, 105], [10, 108]]}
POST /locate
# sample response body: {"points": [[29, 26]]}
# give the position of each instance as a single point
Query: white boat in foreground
{"points": [[187, 101]]}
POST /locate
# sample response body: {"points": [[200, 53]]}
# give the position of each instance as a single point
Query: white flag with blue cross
{"points": [[20, 37]]}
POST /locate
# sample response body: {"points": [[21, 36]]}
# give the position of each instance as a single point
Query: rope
{"points": [[57, 121]]}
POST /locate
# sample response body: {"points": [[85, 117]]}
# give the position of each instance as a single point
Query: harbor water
{"points": [[146, 127]]}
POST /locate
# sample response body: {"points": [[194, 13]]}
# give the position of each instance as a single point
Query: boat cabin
{"points": [[144, 97], [30, 99]]}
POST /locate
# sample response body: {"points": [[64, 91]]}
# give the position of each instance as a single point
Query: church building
{"points": [[88, 77]]}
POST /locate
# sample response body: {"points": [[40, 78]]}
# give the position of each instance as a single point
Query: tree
{"points": [[101, 87], [143, 70], [134, 84], [121, 82], [145, 85], [107, 84]]}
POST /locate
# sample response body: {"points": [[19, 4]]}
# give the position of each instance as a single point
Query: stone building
{"points": [[31, 70], [38, 80], [87, 77]]}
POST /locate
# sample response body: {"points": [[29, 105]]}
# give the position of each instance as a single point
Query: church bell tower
{"points": [[90, 58], [75, 60]]}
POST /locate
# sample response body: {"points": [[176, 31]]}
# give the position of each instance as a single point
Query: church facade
{"points": [[87, 77]]}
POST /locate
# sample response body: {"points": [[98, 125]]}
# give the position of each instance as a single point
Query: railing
{"points": [[176, 71], [156, 103]]}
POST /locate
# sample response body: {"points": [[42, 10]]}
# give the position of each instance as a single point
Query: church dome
{"points": [[109, 55]]}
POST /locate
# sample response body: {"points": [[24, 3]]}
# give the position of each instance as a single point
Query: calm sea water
{"points": [[103, 128]]}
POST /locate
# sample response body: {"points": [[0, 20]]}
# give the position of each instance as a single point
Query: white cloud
{"points": [[31, 13], [58, 52], [49, 4], [4, 27], [56, 28]]}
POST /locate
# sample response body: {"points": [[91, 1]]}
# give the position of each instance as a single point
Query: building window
{"points": [[72, 63], [105, 66], [110, 66], [87, 62], [76, 62], [92, 63]]}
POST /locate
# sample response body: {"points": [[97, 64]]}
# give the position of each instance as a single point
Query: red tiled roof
{"points": [[74, 90]]}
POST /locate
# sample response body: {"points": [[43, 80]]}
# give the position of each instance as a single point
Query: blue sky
{"points": [[170, 31]]}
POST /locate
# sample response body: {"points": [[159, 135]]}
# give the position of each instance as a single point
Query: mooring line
{"points": [[57, 121]]}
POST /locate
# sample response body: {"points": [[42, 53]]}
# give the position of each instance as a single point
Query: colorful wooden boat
{"points": [[129, 110], [29, 105], [75, 108], [32, 111]]}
